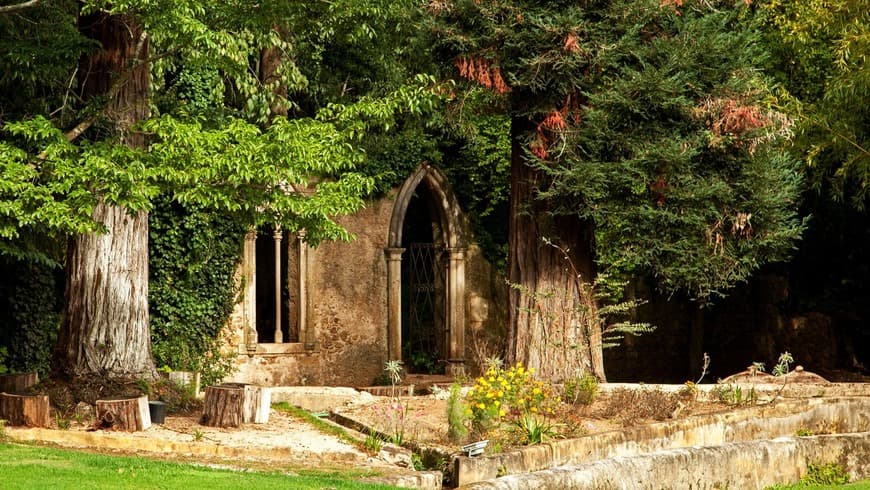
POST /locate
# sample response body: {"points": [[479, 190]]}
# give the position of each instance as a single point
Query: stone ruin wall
{"points": [[347, 297]]}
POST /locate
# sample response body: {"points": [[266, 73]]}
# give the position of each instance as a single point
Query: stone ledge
{"points": [[764, 390], [751, 423], [134, 444], [754, 464], [319, 398]]}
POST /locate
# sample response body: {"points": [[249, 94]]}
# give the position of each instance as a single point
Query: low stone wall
{"points": [[820, 415], [319, 398], [736, 465], [764, 391]]}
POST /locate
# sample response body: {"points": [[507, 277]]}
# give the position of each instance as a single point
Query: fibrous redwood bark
{"points": [[105, 330], [554, 325]]}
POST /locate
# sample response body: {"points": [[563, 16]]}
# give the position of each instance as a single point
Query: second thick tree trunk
{"points": [[105, 330], [554, 324]]}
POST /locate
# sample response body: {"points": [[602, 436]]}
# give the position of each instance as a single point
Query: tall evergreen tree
{"points": [[643, 142]]}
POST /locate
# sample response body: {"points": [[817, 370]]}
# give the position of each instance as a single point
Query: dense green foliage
{"points": [[650, 120], [39, 45], [69, 469], [29, 314], [192, 261], [820, 57], [477, 162], [218, 143], [222, 157]]}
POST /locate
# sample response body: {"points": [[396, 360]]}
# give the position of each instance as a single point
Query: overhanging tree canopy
{"points": [[644, 142], [89, 163]]}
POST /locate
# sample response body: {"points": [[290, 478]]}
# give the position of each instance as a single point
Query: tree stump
{"points": [[17, 383], [232, 404], [258, 402], [125, 413], [223, 406], [28, 410]]}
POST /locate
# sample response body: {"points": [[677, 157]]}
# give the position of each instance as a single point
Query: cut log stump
{"points": [[258, 402], [17, 383], [28, 410], [223, 406], [124, 413], [232, 404]]}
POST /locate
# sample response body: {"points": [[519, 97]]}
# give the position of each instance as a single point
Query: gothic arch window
{"points": [[275, 302], [427, 192]]}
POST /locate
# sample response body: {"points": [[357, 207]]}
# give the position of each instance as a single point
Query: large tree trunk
{"points": [[270, 62], [105, 329], [554, 325]]}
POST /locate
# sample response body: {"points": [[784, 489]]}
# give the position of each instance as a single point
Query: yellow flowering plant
{"points": [[504, 395]]}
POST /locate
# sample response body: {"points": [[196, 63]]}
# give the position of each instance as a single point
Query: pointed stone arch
{"points": [[454, 246]]}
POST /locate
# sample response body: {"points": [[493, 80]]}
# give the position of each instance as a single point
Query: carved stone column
{"points": [[394, 303], [456, 312], [249, 272], [306, 336], [277, 236]]}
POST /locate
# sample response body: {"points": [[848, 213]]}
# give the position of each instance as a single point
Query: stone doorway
{"points": [[424, 333], [426, 275]]}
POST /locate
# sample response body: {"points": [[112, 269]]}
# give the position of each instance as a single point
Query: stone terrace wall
{"points": [[347, 291]]}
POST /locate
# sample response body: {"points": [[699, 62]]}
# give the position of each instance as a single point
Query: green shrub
{"points": [[735, 396], [373, 443], [3, 354], [825, 474], [534, 429], [456, 414], [581, 390], [30, 317]]}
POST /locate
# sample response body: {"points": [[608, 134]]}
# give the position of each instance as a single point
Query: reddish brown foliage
{"points": [[658, 188], [570, 43], [553, 122], [738, 119], [483, 72], [539, 146]]}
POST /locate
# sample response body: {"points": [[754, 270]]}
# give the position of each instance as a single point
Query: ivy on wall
{"points": [[193, 256], [30, 315]]}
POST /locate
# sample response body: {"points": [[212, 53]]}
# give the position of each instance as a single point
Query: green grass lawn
{"points": [[33, 467], [861, 485]]}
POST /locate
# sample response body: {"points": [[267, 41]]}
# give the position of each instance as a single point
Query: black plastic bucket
{"points": [[157, 411]]}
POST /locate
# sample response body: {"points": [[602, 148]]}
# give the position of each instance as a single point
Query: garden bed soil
{"points": [[425, 420], [294, 443]]}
